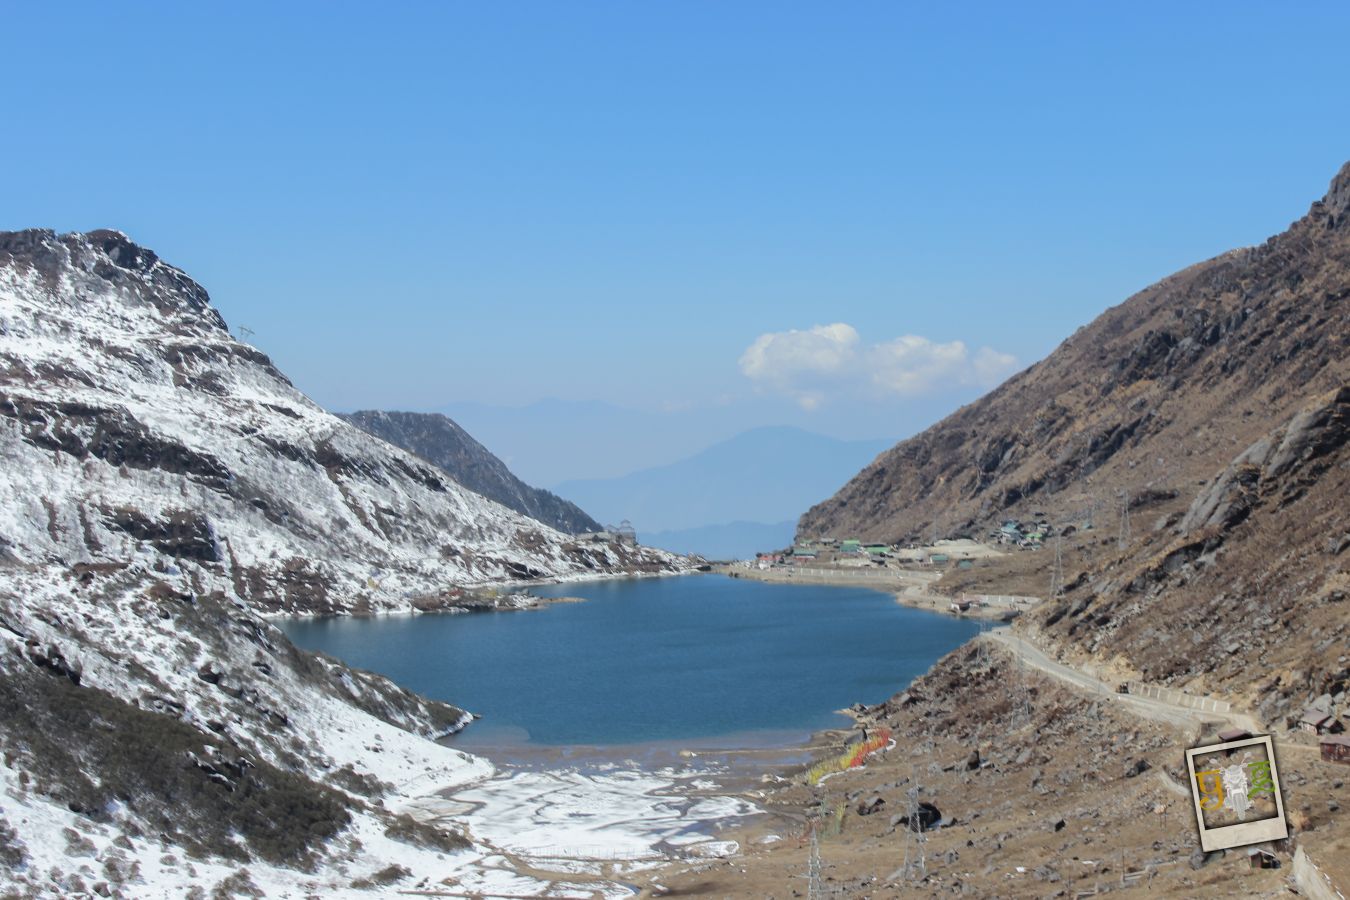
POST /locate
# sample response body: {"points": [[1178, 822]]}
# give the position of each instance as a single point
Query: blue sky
{"points": [[414, 205]]}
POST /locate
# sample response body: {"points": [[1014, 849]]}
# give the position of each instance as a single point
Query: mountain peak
{"points": [[1150, 396], [440, 440], [91, 262], [120, 250], [1337, 200]]}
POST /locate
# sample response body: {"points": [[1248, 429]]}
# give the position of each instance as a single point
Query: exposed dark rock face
{"points": [[111, 435], [1245, 585], [441, 442], [1305, 444], [112, 259]]}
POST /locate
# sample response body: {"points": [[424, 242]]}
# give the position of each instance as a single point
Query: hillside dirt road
{"points": [[1146, 707]]}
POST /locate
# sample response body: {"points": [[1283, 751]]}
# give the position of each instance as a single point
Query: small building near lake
{"points": [[1319, 721], [1335, 748]]}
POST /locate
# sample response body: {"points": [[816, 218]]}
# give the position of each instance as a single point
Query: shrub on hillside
{"points": [[91, 751]]}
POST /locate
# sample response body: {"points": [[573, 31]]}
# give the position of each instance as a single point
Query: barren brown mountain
{"points": [[1156, 394], [1214, 408]]}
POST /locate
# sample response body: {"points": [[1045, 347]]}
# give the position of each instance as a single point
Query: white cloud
{"points": [[829, 361], [991, 367]]}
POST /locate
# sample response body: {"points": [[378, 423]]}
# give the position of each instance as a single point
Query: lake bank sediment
{"points": [[911, 588]]}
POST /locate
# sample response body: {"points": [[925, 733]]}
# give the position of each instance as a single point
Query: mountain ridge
{"points": [[1250, 331], [441, 441], [165, 491]]}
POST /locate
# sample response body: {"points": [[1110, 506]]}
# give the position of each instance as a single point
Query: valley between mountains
{"points": [[166, 492]]}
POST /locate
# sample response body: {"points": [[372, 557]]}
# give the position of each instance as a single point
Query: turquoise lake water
{"points": [[653, 659]]}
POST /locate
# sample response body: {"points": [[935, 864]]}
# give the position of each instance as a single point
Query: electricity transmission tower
{"points": [[1057, 574], [245, 332], [1021, 696], [815, 890], [915, 867], [1124, 540]]}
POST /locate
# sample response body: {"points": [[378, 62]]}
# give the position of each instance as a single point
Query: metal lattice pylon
{"points": [[1021, 696], [1057, 574], [815, 889], [915, 867], [1124, 540]]}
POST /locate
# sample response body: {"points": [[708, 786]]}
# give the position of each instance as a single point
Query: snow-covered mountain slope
{"points": [[163, 489], [132, 424], [441, 442], [157, 738]]}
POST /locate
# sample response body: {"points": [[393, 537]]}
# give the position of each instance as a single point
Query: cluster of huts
{"points": [[852, 552], [1319, 719], [828, 550], [1027, 534]]}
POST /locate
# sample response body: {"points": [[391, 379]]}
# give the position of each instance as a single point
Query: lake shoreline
{"points": [[906, 585], [669, 801], [518, 588]]}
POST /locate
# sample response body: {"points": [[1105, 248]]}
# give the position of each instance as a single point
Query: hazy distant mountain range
{"points": [[734, 540], [731, 498], [552, 441]]}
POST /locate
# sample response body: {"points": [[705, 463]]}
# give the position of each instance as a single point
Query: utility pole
{"points": [[814, 889], [1057, 575], [1021, 696], [1124, 540], [916, 859], [982, 645]]}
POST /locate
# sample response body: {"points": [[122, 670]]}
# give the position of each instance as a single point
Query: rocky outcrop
{"points": [[441, 442], [1294, 449]]}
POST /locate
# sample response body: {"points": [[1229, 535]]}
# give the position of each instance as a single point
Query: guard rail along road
{"points": [[1178, 698], [1311, 880]]}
